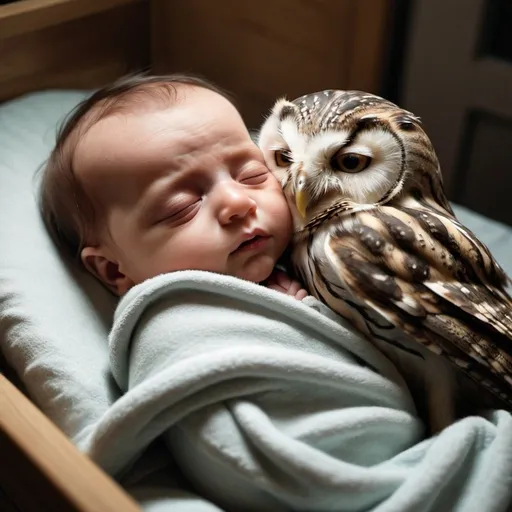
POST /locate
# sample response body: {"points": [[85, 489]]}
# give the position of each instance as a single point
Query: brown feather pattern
{"points": [[434, 280]]}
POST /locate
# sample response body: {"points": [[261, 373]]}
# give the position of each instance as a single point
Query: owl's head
{"points": [[350, 145]]}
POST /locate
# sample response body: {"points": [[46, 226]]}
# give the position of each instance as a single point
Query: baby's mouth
{"points": [[256, 241]]}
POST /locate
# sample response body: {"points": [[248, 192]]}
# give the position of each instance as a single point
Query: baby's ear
{"points": [[101, 265]]}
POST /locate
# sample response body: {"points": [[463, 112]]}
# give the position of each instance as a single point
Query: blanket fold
{"points": [[268, 403]]}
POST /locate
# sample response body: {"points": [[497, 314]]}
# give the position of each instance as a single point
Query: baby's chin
{"points": [[258, 271]]}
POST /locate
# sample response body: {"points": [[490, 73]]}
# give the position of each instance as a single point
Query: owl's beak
{"points": [[301, 195]]}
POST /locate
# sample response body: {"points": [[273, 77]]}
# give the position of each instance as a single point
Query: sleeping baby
{"points": [[264, 401], [153, 176]]}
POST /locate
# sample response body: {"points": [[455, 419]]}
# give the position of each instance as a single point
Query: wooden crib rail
{"points": [[70, 44], [40, 469]]}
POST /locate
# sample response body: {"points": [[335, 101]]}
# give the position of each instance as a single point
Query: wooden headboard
{"points": [[242, 45], [70, 43], [262, 49]]}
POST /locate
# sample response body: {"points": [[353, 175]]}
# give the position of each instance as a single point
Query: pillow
{"points": [[54, 318]]}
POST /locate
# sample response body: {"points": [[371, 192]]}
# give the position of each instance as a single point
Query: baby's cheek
{"points": [[281, 216], [277, 176]]}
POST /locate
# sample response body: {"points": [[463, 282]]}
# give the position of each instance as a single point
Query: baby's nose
{"points": [[235, 204]]}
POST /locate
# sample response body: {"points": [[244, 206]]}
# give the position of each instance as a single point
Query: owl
{"points": [[377, 241]]}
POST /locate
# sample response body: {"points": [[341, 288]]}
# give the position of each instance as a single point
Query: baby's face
{"points": [[179, 188]]}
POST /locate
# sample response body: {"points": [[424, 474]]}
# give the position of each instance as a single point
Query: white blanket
{"points": [[268, 403]]}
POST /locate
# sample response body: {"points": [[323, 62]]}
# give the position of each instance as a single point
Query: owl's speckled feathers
{"points": [[377, 240]]}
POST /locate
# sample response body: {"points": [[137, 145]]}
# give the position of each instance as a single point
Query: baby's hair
{"points": [[68, 213]]}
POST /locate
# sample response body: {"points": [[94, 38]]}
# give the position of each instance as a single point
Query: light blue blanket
{"points": [[271, 404]]}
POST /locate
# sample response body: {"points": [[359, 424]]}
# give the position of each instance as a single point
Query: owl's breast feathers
{"points": [[429, 276]]}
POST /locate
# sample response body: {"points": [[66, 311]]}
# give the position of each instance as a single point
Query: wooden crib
{"points": [[86, 43]]}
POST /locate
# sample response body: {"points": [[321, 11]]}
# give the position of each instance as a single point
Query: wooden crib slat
{"points": [[40, 469]]}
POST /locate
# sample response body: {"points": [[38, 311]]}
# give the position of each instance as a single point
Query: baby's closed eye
{"points": [[180, 210], [254, 173]]}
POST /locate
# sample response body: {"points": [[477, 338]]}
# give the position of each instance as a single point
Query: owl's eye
{"points": [[282, 158], [350, 162]]}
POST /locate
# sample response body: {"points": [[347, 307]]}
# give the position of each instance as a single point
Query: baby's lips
{"points": [[249, 235]]}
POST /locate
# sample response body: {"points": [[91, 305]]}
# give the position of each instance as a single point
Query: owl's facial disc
{"points": [[321, 157], [333, 165]]}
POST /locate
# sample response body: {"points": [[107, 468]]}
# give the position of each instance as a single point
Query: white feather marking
{"points": [[294, 140], [269, 136], [325, 141], [409, 305], [277, 146], [368, 117], [269, 141], [409, 301], [437, 287]]}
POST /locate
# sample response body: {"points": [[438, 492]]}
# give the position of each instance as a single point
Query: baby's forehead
{"points": [[146, 114], [151, 99], [140, 138]]}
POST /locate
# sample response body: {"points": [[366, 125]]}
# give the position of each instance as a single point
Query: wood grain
{"points": [[45, 471], [29, 15], [372, 22], [83, 53], [262, 50]]}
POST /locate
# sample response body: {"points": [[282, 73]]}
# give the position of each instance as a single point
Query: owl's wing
{"points": [[429, 276]]}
